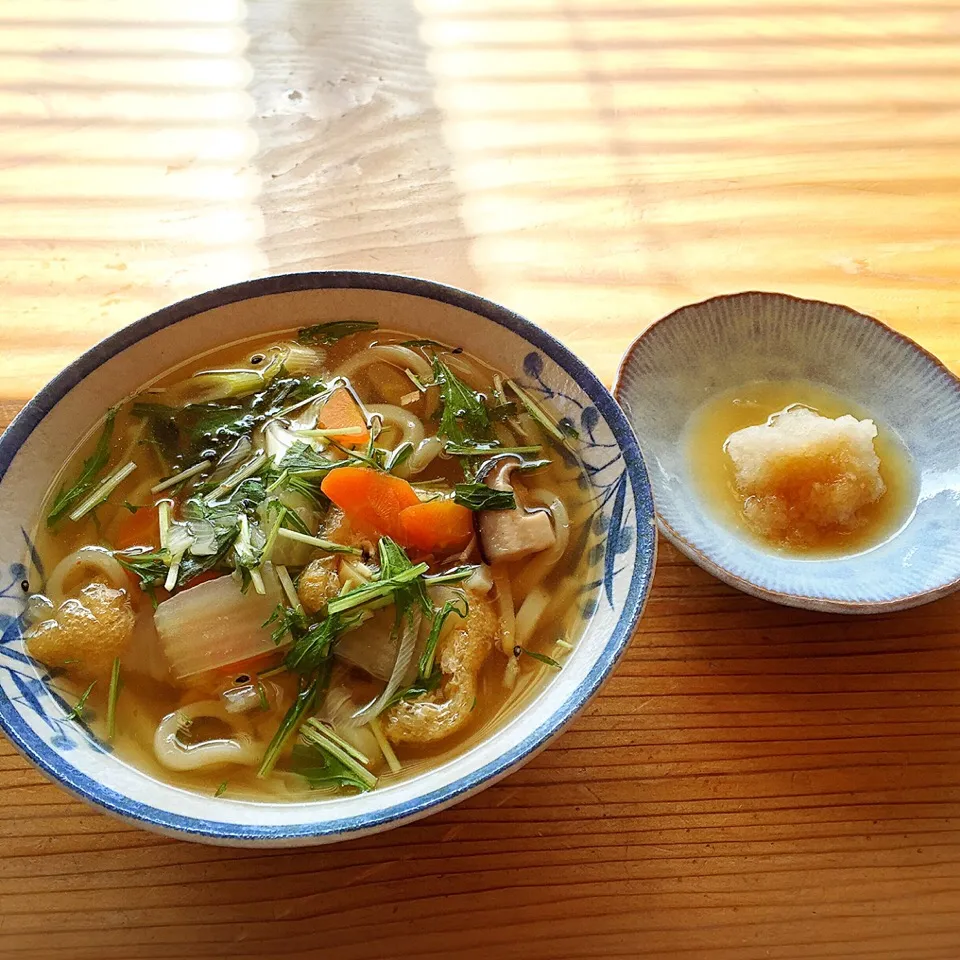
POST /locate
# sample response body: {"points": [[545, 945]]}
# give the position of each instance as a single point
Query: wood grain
{"points": [[753, 782]]}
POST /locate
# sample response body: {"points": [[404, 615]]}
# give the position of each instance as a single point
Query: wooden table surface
{"points": [[753, 782]]}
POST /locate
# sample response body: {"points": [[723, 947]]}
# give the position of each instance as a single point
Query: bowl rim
{"points": [[803, 601], [645, 546]]}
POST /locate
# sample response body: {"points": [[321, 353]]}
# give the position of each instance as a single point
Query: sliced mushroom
{"points": [[507, 535]]}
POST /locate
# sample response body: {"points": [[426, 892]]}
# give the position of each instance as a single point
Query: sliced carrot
{"points": [[370, 500], [140, 529], [439, 525], [341, 410]]}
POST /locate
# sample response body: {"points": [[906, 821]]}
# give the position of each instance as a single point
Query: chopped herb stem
{"points": [[112, 696], [312, 733], [457, 575], [163, 518], [103, 491], [181, 476], [67, 496], [375, 590], [538, 413], [273, 671], [283, 575], [398, 455], [171, 580], [316, 725], [542, 657], [386, 749], [272, 535], [236, 478], [487, 449], [77, 712], [291, 721], [327, 545], [279, 482]]}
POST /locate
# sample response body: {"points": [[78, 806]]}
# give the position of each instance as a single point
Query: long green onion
{"points": [[104, 490]]}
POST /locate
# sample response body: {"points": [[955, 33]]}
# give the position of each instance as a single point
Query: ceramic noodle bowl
{"points": [[617, 560]]}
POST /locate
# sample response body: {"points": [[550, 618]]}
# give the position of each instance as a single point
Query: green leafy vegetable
{"points": [[303, 460], [77, 712], [209, 430], [478, 496], [321, 769], [395, 575], [311, 688], [313, 646], [286, 620], [68, 497], [329, 333], [222, 789], [542, 657], [331, 760], [456, 575], [461, 608], [464, 417]]}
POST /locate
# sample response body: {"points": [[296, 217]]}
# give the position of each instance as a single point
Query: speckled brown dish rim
{"points": [[802, 601]]}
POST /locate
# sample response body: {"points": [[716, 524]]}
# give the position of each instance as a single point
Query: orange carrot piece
{"points": [[341, 410], [370, 500], [438, 526], [140, 529]]}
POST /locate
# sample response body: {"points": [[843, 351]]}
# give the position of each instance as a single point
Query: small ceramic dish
{"points": [[37, 443], [701, 350]]}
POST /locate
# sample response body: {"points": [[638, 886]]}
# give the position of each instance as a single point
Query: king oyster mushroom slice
{"points": [[507, 535]]}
